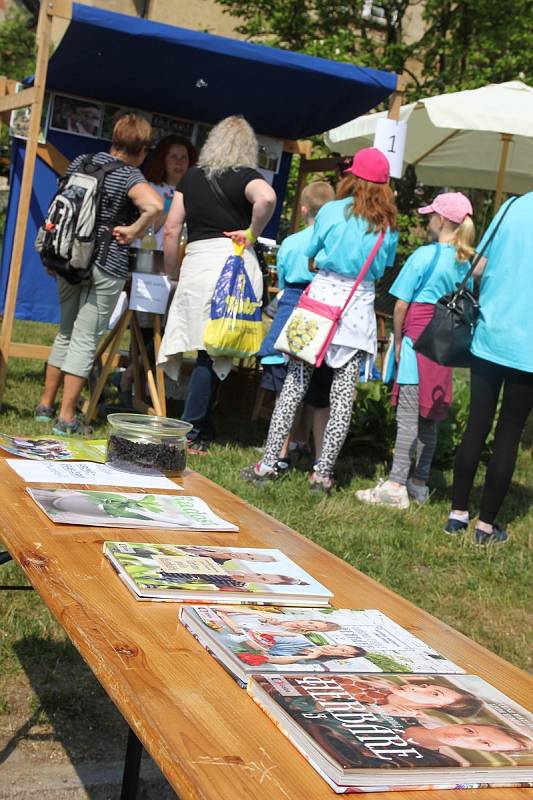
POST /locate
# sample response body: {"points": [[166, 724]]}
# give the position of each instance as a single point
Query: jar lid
{"points": [[140, 424]]}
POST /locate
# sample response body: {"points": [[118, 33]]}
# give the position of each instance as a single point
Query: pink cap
{"points": [[454, 206], [371, 165]]}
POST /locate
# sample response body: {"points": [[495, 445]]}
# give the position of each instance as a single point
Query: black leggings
{"points": [[486, 381]]}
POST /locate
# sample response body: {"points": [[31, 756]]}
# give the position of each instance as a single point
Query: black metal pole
{"points": [[132, 767]]}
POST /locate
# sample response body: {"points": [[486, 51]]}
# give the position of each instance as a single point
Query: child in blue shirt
{"points": [[423, 389]]}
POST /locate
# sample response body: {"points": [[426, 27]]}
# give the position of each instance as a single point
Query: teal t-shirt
{"points": [[504, 332], [341, 242], [430, 272], [292, 261]]}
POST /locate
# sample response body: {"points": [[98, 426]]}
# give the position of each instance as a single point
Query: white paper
{"points": [[390, 139], [87, 472], [149, 293], [121, 306]]}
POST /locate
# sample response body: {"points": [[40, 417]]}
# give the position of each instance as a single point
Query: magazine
{"points": [[361, 732], [196, 573], [128, 510], [48, 448], [259, 640]]}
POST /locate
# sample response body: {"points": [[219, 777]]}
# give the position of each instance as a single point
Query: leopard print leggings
{"points": [[341, 398]]}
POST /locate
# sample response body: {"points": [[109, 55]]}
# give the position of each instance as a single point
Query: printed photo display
{"points": [[76, 115]]}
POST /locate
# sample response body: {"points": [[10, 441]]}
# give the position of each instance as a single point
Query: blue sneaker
{"points": [[497, 536], [44, 413], [454, 526], [75, 428]]}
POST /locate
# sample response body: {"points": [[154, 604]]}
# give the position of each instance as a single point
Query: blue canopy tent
{"points": [[159, 68]]}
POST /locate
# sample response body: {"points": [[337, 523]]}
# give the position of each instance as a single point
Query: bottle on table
{"points": [[145, 256]]}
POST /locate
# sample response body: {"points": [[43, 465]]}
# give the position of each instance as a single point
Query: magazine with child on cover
{"points": [[260, 640], [361, 732], [197, 573]]}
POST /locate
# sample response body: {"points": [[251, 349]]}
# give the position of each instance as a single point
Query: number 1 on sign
{"points": [[391, 148]]}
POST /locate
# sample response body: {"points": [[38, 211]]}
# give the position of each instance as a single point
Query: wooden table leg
{"points": [[89, 407], [159, 374], [132, 767], [152, 388]]}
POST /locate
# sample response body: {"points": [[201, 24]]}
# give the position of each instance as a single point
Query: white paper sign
{"points": [[121, 306], [149, 293], [81, 472], [390, 139]]}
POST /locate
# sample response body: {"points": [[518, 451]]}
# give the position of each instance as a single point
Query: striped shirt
{"points": [[115, 209]]}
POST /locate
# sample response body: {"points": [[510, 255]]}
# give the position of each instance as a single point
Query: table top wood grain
{"points": [[208, 737]]}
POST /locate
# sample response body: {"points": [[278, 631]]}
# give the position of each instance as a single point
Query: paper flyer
{"points": [[48, 448], [85, 472]]}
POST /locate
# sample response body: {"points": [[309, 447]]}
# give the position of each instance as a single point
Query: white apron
{"points": [[190, 309], [357, 328]]}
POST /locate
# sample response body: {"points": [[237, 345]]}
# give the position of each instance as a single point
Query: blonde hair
{"points": [[316, 195], [231, 143], [463, 239]]}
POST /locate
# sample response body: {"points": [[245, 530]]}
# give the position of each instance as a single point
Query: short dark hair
{"points": [[132, 134], [154, 166]]}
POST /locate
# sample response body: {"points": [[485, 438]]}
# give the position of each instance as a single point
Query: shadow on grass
{"points": [[70, 701]]}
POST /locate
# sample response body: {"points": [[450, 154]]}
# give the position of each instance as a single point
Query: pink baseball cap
{"points": [[371, 165], [454, 206]]}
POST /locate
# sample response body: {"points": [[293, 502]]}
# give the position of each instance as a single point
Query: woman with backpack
{"points": [[127, 206]]}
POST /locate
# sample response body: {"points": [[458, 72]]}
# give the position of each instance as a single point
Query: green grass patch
{"points": [[486, 594]]}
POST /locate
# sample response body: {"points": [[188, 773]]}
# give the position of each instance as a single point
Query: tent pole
{"points": [[506, 138], [44, 27], [396, 99]]}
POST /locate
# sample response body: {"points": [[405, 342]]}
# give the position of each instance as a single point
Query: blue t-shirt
{"points": [[430, 272], [292, 262], [341, 242], [504, 332]]}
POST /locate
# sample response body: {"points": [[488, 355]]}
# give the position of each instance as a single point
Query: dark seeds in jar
{"points": [[168, 458]]}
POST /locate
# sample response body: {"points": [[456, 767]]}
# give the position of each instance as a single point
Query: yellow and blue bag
{"points": [[235, 329]]}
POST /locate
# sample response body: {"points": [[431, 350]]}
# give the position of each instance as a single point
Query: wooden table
{"points": [[205, 733]]}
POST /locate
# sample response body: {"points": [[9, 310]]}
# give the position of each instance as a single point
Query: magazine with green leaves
{"points": [[49, 448], [392, 732], [202, 573], [128, 510], [262, 640]]}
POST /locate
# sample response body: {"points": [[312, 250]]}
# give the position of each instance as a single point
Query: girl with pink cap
{"points": [[345, 233], [423, 390]]}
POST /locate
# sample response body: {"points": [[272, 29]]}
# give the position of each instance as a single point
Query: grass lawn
{"points": [[485, 594]]}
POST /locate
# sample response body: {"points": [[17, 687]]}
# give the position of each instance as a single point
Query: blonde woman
{"points": [[223, 198], [423, 389]]}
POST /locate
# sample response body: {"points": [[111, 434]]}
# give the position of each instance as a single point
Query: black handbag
{"points": [[448, 337]]}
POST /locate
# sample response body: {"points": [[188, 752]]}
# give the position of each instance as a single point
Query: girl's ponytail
{"points": [[463, 239]]}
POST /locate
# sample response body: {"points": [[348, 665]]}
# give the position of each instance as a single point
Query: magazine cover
{"points": [[128, 510], [47, 448], [215, 574], [250, 640], [424, 729]]}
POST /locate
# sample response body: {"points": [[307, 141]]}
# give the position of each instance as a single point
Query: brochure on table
{"points": [[48, 448], [128, 510], [84, 472]]}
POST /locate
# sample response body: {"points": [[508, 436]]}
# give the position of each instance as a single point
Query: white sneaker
{"points": [[384, 494], [418, 493]]}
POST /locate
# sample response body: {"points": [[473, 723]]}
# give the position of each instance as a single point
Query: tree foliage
{"points": [[17, 46], [462, 44]]}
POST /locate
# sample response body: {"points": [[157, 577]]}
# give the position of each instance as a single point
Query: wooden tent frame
{"points": [[34, 99]]}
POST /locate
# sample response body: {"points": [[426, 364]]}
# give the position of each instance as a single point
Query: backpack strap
{"points": [[103, 241]]}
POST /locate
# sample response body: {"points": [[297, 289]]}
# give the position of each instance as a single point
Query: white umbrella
{"points": [[480, 138]]}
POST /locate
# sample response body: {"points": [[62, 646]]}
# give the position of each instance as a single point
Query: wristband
{"points": [[249, 235]]}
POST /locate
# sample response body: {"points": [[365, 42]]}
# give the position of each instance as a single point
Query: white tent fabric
{"points": [[455, 139]]}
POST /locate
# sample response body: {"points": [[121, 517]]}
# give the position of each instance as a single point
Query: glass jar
{"points": [[140, 440]]}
